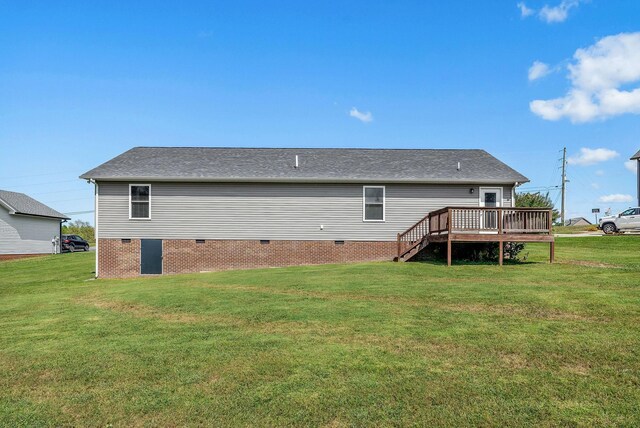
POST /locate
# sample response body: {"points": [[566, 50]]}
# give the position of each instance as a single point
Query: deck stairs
{"points": [[413, 240]]}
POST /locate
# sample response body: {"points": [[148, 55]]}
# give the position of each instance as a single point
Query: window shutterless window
{"points": [[139, 201], [373, 203]]}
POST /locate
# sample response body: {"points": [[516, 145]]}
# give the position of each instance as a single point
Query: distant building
{"points": [[26, 225], [578, 221]]}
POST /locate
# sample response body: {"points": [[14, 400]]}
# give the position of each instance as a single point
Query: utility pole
{"points": [[564, 181]]}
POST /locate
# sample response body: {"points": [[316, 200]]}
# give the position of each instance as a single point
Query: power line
{"points": [[28, 176], [48, 182], [79, 212], [67, 200], [541, 188], [57, 191]]}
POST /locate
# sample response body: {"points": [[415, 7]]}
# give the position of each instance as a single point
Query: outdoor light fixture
{"points": [[472, 190]]}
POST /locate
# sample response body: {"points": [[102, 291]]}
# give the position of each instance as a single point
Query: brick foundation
{"points": [[117, 259]]}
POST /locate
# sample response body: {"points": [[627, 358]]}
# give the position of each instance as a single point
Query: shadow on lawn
{"points": [[474, 254], [454, 262]]}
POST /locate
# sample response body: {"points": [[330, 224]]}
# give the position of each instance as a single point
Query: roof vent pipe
{"points": [[458, 166], [296, 162]]}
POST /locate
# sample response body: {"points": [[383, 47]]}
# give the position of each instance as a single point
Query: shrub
{"points": [[473, 252], [536, 200]]}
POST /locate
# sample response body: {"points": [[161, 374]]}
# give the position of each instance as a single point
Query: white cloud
{"points": [[595, 185], [600, 173], [557, 13], [596, 76], [538, 70], [592, 156], [617, 197], [524, 10], [361, 116], [631, 165]]}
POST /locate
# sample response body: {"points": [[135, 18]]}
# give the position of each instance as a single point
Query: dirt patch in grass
{"points": [[587, 263], [526, 311], [514, 361], [300, 330], [329, 295], [529, 311], [579, 369], [138, 310], [141, 311]]}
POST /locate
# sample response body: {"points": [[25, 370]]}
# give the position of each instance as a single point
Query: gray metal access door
{"points": [[151, 256]]}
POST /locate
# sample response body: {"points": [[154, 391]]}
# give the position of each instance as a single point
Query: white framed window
{"points": [[373, 203], [139, 201]]}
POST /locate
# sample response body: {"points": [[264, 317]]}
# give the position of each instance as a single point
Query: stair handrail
{"points": [[414, 225], [414, 237]]}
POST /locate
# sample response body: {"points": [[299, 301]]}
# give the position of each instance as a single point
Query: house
{"points": [[27, 226], [193, 209], [636, 158], [578, 221]]}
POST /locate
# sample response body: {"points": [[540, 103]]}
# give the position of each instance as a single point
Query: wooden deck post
{"points": [[449, 251], [552, 251], [399, 250], [500, 252]]}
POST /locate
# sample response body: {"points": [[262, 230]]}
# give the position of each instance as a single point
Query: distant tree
{"points": [[536, 200], [81, 228]]}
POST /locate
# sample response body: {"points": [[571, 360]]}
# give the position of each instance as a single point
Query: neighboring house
{"points": [[578, 221], [172, 210], [636, 158], [26, 225]]}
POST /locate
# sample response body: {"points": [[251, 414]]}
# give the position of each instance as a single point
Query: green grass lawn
{"points": [[574, 229], [369, 344]]}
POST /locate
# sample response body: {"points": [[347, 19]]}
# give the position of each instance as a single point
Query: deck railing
{"points": [[475, 220], [492, 220]]}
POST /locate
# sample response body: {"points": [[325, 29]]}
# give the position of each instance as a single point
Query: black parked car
{"points": [[74, 243]]}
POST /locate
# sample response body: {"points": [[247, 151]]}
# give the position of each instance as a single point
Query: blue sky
{"points": [[81, 82]]}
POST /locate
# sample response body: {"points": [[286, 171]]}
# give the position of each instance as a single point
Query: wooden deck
{"points": [[477, 224]]}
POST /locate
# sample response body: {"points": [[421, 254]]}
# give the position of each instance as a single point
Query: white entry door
{"points": [[490, 197]]}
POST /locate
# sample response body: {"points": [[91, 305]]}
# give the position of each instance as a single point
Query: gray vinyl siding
{"points": [[271, 211], [21, 234]]}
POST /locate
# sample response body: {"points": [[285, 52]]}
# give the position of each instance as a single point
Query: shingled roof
{"points": [[314, 165], [19, 203]]}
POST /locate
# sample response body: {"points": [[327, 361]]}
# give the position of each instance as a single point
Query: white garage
{"points": [[26, 225]]}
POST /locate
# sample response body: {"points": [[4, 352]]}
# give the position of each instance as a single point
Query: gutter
{"points": [[40, 215], [300, 180]]}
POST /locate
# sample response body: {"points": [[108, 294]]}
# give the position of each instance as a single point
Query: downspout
{"points": [[95, 222]]}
